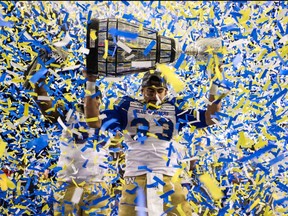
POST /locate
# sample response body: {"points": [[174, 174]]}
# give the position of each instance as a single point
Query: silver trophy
{"points": [[118, 47], [199, 49]]}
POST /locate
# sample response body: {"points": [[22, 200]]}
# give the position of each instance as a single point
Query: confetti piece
{"points": [[259, 152], [179, 61], [39, 143], [106, 50], [6, 24], [276, 97], [6, 183], [38, 75], [149, 47], [77, 195], [84, 50], [124, 46], [171, 77], [101, 199], [180, 210], [124, 34], [107, 124], [212, 187], [2, 147], [93, 34], [255, 203], [141, 64], [26, 109]]}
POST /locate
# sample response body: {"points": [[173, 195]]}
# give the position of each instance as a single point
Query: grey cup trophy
{"points": [[118, 47]]}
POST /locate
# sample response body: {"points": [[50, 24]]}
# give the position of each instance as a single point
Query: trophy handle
{"points": [[92, 45]]}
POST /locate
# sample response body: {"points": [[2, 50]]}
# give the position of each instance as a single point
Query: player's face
{"points": [[153, 94]]}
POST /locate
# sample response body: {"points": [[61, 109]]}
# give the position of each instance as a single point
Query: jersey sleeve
{"points": [[190, 117], [115, 119]]}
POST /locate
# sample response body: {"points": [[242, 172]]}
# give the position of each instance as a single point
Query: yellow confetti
{"points": [[240, 104], [93, 34], [180, 211], [268, 211], [75, 183], [267, 135], [106, 50], [245, 16], [2, 147], [140, 27], [175, 177], [206, 212], [6, 183], [218, 73], [262, 19], [152, 135], [92, 119], [171, 77], [69, 97], [264, 51], [254, 204], [211, 14], [244, 141], [26, 109], [45, 208], [18, 188], [211, 186], [284, 119], [261, 143]]}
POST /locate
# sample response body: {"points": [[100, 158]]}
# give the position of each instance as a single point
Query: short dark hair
{"points": [[148, 79]]}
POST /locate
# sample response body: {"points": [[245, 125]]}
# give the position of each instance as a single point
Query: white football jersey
{"points": [[149, 133], [79, 158]]}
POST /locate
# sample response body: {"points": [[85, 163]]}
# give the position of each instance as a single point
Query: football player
{"points": [[148, 127]]}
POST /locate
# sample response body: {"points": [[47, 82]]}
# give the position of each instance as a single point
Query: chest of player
{"points": [[160, 122]]}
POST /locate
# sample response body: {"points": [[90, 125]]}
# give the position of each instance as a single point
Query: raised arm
{"points": [[92, 104], [214, 107]]}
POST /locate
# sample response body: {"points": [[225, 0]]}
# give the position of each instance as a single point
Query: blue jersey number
{"points": [[143, 127], [167, 126]]}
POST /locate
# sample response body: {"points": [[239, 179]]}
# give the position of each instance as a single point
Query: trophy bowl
{"points": [[118, 47]]}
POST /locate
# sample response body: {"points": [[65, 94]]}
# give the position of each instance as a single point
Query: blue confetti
{"points": [[124, 34], [149, 47]]}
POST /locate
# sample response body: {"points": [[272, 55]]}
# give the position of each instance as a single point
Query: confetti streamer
{"points": [[2, 147], [209, 183], [141, 64], [149, 47], [106, 50], [124, 34], [171, 77]]}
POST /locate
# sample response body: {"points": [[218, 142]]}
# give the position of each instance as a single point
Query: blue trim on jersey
{"points": [[117, 118], [118, 114], [185, 116]]}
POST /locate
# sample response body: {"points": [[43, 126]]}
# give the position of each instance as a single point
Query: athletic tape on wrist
{"points": [[213, 89], [90, 86]]}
